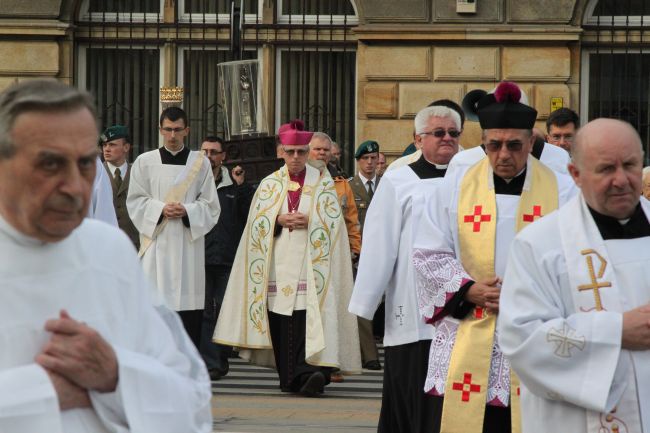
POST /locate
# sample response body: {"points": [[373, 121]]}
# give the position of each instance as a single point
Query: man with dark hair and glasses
{"points": [[221, 242], [173, 203], [386, 269], [285, 304], [459, 255], [562, 125]]}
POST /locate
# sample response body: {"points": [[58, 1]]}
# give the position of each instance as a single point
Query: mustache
{"points": [[66, 203]]}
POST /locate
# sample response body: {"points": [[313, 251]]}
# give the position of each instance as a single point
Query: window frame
{"points": [[323, 19], [120, 17], [613, 20], [197, 17]]}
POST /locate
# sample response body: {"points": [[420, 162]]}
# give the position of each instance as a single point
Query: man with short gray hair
{"points": [[385, 269], [646, 182], [84, 348]]}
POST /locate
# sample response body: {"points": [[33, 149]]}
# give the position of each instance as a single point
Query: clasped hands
{"points": [[485, 294], [174, 210], [77, 359], [293, 221]]}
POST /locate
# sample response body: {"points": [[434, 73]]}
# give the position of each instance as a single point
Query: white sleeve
{"points": [[144, 209], [28, 401], [203, 212], [163, 384], [380, 246], [558, 354], [101, 206]]}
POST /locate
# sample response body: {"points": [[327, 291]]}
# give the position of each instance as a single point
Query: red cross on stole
{"points": [[537, 213], [466, 386], [477, 218]]}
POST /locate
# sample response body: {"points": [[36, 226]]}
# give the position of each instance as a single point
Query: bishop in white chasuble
{"points": [[285, 304]]}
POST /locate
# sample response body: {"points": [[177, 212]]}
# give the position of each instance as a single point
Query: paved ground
{"points": [[283, 413], [248, 400]]}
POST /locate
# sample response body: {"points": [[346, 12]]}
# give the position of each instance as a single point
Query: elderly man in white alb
{"points": [[575, 303], [83, 347]]}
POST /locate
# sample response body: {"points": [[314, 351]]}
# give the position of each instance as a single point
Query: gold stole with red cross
{"points": [[467, 378]]}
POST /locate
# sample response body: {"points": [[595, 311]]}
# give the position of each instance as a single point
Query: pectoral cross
{"points": [[595, 285]]}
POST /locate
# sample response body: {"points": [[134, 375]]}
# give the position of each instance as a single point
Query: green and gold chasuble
{"points": [[331, 334]]}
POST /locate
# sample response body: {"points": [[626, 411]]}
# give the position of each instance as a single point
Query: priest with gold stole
{"points": [[286, 300], [459, 256]]}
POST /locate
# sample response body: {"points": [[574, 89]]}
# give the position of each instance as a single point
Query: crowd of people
{"points": [[511, 278]]}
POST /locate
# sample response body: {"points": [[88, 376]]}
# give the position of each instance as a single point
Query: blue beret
{"points": [[368, 146]]}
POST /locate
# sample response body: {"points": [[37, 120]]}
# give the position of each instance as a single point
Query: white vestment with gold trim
{"points": [[561, 322]]}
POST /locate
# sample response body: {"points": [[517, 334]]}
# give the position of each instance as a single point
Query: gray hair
{"points": [[423, 116], [41, 96], [335, 144], [322, 136]]}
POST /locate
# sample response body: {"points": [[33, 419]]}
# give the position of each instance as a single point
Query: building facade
{"points": [[356, 69]]}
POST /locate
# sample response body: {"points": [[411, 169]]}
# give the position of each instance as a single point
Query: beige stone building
{"points": [[357, 69]]}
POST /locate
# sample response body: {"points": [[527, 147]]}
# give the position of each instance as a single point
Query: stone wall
{"points": [[413, 52]]}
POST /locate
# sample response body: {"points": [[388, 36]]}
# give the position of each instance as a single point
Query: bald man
{"points": [[574, 315]]}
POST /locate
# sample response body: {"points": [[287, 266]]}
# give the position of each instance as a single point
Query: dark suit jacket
{"points": [[119, 201], [361, 198]]}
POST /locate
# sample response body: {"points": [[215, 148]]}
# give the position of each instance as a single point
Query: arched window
{"points": [[616, 63]]}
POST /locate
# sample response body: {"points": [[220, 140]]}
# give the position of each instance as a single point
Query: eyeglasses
{"points": [[512, 146], [439, 133], [175, 130], [299, 152], [212, 151]]}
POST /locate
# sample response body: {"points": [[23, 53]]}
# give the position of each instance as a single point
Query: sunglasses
{"points": [[299, 152], [512, 146], [439, 133]]}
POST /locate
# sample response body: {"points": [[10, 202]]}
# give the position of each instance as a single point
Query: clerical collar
{"points": [[170, 158], [18, 236], [637, 226], [512, 187], [426, 170]]}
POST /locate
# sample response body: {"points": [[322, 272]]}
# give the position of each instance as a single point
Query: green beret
{"points": [[114, 132], [368, 146]]}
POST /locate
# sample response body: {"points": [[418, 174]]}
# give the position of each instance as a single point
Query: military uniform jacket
{"points": [[361, 197], [119, 202]]}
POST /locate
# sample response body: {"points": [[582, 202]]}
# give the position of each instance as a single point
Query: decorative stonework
{"points": [[543, 95], [547, 11]]}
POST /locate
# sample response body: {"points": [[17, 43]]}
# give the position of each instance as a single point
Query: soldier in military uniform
{"points": [[363, 186], [115, 148]]}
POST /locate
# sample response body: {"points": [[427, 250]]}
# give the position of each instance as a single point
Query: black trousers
{"points": [[496, 420], [288, 339], [405, 408], [215, 355], [192, 320]]}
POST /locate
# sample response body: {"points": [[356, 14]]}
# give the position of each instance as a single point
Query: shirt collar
{"points": [[365, 179], [122, 168], [174, 152], [225, 178]]}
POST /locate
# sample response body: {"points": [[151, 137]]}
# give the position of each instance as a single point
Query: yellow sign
{"points": [[556, 102]]}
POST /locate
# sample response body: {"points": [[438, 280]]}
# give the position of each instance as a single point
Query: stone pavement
{"points": [[284, 413], [248, 400]]}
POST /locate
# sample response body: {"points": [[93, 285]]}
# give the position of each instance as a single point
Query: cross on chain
{"points": [[473, 218], [400, 316], [566, 339], [595, 285], [537, 213], [466, 386]]}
